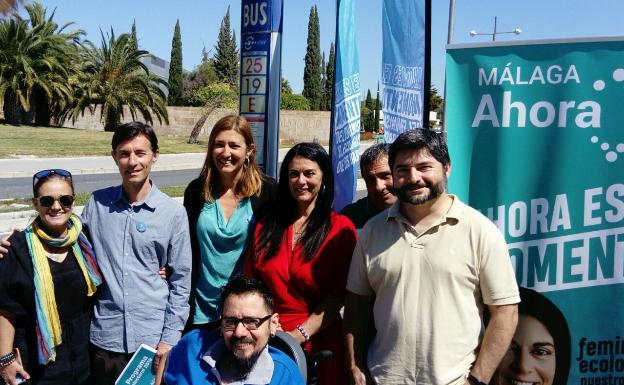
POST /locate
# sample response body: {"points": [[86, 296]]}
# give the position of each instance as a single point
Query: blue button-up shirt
{"points": [[132, 242]]}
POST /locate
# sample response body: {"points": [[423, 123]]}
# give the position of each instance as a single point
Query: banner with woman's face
{"points": [[539, 352], [536, 140]]}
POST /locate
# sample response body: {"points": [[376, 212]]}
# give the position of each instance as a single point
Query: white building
{"points": [[159, 67]]}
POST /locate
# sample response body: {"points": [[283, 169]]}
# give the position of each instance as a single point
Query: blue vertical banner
{"points": [[405, 72], [345, 125]]}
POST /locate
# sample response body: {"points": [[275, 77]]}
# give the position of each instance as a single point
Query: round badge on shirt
{"points": [[141, 227]]}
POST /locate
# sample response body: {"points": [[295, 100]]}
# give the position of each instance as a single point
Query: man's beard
{"points": [[435, 190], [243, 365]]}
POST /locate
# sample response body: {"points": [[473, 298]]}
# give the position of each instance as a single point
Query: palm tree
{"points": [[37, 59], [113, 76]]}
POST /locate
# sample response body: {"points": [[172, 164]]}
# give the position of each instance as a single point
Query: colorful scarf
{"points": [[48, 325]]}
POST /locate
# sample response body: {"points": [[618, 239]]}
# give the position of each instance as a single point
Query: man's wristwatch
{"points": [[474, 380]]}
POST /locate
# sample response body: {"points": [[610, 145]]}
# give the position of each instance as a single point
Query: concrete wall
{"points": [[295, 126]]}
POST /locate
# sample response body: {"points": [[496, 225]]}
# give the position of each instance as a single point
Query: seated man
{"points": [[239, 353]]}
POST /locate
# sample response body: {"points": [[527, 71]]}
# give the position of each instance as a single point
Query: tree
{"points": [[330, 75], [205, 54], [323, 72], [367, 113], [37, 62], [223, 92], [312, 71], [436, 103], [286, 88], [323, 80], [113, 76], [294, 102], [201, 76], [367, 119], [134, 42], [175, 68], [202, 120], [369, 101], [226, 55]]}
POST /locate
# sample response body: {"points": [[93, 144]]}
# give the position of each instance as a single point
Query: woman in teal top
{"points": [[221, 243], [222, 204]]}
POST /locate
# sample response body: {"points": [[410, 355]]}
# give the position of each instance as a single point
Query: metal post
{"points": [[451, 23], [494, 34], [516, 31], [449, 40]]}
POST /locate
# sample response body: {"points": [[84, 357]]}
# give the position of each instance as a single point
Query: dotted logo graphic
{"points": [[611, 154]]}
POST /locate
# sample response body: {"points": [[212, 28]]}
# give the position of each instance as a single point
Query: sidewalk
{"points": [[27, 166], [21, 219]]}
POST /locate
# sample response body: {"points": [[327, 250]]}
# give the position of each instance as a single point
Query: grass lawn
{"points": [[64, 142], [23, 204]]}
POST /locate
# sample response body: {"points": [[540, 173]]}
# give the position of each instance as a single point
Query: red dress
{"points": [[299, 286]]}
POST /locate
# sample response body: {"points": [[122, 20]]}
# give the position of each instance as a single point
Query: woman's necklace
{"points": [[56, 257], [298, 234]]}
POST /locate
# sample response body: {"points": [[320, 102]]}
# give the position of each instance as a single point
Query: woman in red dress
{"points": [[302, 251]]}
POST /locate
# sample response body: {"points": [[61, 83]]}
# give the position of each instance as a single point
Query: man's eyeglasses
{"points": [[46, 173], [251, 323], [48, 201]]}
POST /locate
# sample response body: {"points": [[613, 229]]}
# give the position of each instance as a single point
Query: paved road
{"points": [[22, 187]]}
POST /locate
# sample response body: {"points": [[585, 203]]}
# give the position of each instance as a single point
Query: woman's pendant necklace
{"points": [[56, 257], [298, 234]]}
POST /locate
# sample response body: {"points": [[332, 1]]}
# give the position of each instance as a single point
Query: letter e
{"points": [[590, 206]]}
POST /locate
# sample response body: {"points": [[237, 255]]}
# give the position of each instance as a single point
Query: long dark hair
{"points": [[277, 221], [536, 305]]}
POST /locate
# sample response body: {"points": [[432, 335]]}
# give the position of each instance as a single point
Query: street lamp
{"points": [[516, 31]]}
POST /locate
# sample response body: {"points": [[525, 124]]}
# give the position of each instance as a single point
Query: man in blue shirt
{"points": [[136, 230], [240, 353]]}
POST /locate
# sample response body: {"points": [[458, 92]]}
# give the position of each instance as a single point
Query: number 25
{"points": [[253, 66]]}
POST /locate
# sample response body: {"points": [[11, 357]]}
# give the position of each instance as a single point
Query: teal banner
{"points": [[536, 137]]}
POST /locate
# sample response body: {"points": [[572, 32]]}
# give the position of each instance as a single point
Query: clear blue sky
{"points": [[200, 19]]}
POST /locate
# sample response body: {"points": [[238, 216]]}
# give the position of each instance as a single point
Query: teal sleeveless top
{"points": [[221, 244]]}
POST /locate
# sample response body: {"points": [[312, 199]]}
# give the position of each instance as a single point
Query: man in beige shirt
{"points": [[427, 268]]}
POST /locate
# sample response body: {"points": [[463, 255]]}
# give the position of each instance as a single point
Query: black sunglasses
{"points": [[46, 173], [251, 323], [48, 201]]}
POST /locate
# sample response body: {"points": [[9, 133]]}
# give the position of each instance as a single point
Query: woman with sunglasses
{"points": [[45, 284], [228, 197]]}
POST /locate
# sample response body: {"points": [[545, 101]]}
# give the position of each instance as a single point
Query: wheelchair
{"points": [[308, 367]]}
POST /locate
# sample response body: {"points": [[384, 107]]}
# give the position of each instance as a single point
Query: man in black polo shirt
{"points": [[378, 178]]}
